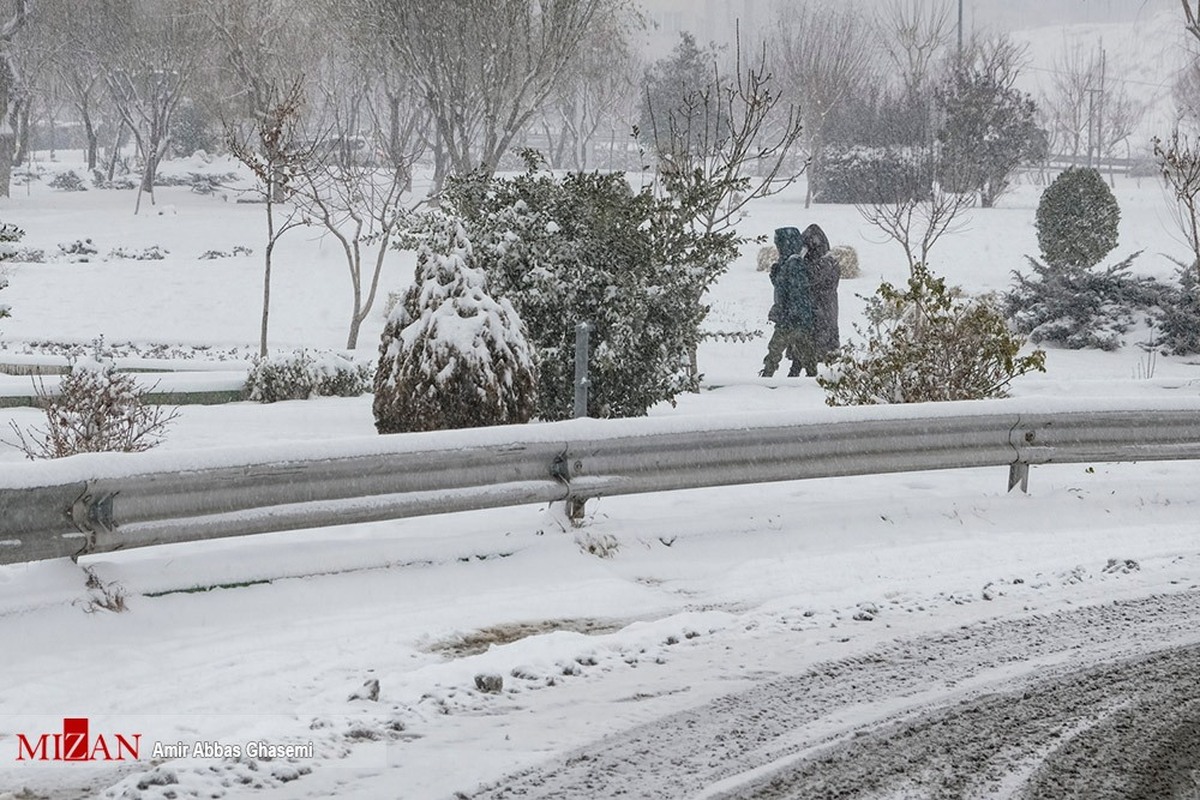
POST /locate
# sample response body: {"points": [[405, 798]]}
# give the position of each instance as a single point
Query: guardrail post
{"points": [[582, 381], [583, 330], [1018, 472]]}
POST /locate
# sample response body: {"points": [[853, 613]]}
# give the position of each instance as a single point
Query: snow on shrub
{"points": [[586, 247], [151, 253], [925, 344], [1077, 219], [1178, 313], [68, 181], [9, 234], [301, 375], [97, 409], [451, 355], [1076, 306], [868, 175]]}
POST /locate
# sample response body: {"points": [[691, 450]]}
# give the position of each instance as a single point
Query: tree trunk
{"points": [[266, 306]]}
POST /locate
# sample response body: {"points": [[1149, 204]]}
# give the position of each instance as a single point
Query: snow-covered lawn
{"points": [[684, 597]]}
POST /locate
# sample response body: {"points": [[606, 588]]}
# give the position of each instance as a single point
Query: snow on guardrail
{"points": [[104, 502]]}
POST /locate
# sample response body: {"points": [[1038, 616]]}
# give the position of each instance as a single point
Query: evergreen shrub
{"points": [[1077, 219], [873, 175], [451, 355], [928, 343], [1077, 306], [586, 247]]}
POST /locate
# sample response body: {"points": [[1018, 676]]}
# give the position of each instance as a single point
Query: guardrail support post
{"points": [[575, 505], [1018, 473], [582, 381], [562, 469]]}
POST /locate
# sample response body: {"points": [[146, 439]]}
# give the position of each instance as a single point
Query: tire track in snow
{"points": [[840, 714]]}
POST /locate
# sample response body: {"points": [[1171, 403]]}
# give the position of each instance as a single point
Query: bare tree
{"points": [[1088, 112], [915, 34], [1179, 162], [354, 196], [1193, 17], [822, 56], [485, 69], [148, 77], [915, 222], [599, 85], [12, 91], [736, 133], [75, 36], [275, 151]]}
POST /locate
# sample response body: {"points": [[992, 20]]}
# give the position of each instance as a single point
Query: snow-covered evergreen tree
{"points": [[1077, 219], [587, 248], [451, 355]]}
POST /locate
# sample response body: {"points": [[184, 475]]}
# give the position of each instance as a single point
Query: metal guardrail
{"points": [[103, 503]]}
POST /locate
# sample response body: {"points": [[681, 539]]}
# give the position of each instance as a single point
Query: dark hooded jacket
{"points": [[823, 276], [793, 297]]}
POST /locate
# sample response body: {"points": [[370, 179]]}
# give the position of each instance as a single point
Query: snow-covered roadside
{"points": [[706, 592]]}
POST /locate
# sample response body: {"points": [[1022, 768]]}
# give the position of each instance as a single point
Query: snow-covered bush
{"points": [[68, 181], [1077, 306], [151, 253], [451, 355], [1177, 317], [9, 234], [303, 374], [588, 248], [80, 250], [928, 343], [865, 175], [96, 410], [1077, 219]]}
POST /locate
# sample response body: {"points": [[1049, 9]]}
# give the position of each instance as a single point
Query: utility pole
{"points": [[960, 20]]}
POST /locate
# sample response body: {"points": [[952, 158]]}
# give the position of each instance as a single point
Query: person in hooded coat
{"points": [[823, 276], [792, 312]]}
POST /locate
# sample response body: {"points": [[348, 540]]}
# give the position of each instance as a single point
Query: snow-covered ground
{"points": [[659, 603]]}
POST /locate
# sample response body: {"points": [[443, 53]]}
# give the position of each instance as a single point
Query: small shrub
{"points": [[151, 253], [68, 181], [80, 250], [1178, 314], [96, 410], [1078, 307], [451, 355], [927, 344], [1077, 219], [8, 251], [867, 175], [209, 183], [302, 375]]}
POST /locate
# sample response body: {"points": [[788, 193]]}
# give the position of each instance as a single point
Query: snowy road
{"points": [[1094, 702]]}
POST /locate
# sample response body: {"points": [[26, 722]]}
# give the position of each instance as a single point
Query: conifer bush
{"points": [[451, 355], [1077, 306], [928, 343], [1077, 219], [1177, 317]]}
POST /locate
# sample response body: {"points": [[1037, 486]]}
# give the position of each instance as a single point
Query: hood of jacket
{"points": [[816, 241], [789, 242]]}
